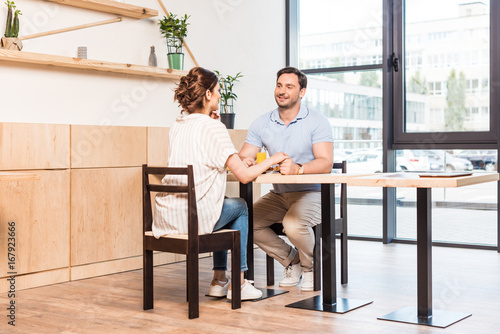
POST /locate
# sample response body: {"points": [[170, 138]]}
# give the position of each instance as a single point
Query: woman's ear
{"points": [[208, 95]]}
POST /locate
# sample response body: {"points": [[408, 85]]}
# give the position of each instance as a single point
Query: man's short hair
{"points": [[301, 76]]}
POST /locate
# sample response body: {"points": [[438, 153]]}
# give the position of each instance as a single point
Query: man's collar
{"points": [[303, 113]]}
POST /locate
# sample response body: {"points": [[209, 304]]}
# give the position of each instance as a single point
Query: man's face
{"points": [[287, 92]]}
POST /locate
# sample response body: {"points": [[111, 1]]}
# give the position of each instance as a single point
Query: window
{"points": [[439, 103], [451, 77], [345, 84]]}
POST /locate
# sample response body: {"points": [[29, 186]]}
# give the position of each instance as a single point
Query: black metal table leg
{"points": [[424, 314], [328, 301]]}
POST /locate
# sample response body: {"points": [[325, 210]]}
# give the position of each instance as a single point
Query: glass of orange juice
{"points": [[261, 156]]}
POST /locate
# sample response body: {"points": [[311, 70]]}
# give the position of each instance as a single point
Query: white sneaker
{"points": [[219, 291], [292, 275], [248, 292], [307, 281]]}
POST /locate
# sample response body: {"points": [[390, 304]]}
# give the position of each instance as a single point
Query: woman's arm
{"points": [[246, 174]]}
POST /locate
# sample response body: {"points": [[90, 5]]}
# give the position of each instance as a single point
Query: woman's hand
{"points": [[214, 114], [279, 157], [248, 162]]}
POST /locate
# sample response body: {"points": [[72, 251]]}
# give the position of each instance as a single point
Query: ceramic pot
{"points": [[176, 61], [11, 43], [228, 120]]}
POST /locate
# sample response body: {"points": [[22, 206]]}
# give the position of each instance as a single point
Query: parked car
{"points": [[442, 160], [340, 155], [436, 162], [454, 163], [370, 161], [480, 159], [412, 160], [365, 162]]}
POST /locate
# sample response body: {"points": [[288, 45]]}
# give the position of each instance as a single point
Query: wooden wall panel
{"points": [[158, 146], [37, 279], [106, 214], [121, 265], [40, 209], [238, 138], [107, 146], [34, 146]]}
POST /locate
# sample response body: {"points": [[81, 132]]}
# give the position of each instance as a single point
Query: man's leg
{"points": [[304, 213], [270, 209]]}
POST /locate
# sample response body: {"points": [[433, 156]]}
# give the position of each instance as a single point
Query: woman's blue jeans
{"points": [[234, 216]]}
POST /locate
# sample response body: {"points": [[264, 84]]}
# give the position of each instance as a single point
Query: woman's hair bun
{"points": [[190, 91]]}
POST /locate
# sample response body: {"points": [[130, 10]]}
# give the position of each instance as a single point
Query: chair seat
{"points": [[184, 236]]}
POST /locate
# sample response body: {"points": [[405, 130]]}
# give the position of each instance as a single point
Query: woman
{"points": [[197, 138]]}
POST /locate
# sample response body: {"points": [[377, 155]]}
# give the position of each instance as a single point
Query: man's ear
{"points": [[302, 92]]}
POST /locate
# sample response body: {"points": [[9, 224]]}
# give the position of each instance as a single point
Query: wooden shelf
{"points": [[87, 64], [112, 7]]}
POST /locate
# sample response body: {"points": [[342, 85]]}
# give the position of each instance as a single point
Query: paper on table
{"points": [[402, 175]]}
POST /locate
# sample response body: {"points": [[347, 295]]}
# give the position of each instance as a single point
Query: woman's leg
{"points": [[234, 216]]}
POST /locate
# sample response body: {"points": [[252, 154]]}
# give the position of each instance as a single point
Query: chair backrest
{"points": [[340, 165], [188, 189]]}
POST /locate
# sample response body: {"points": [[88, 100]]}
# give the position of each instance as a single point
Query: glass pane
{"points": [[332, 34], [459, 215], [352, 101], [447, 66]]}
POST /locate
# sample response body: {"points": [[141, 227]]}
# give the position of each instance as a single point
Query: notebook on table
{"points": [[444, 174]]}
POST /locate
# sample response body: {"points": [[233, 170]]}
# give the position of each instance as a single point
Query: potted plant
{"points": [[227, 97], [10, 41], [174, 29]]}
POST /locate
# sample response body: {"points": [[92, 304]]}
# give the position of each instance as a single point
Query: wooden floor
{"points": [[464, 281]]}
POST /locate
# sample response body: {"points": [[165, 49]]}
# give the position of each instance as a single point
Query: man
{"points": [[306, 137]]}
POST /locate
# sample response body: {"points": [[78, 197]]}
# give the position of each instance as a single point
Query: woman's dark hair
{"points": [[301, 76], [190, 92]]}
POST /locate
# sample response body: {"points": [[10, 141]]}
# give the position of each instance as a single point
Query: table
{"points": [[328, 301], [423, 314]]}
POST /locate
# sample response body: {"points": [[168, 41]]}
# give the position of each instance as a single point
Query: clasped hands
{"points": [[286, 164]]}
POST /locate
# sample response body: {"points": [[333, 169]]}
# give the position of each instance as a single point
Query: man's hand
{"points": [[288, 167]]}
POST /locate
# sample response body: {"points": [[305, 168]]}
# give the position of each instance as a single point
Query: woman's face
{"points": [[215, 97]]}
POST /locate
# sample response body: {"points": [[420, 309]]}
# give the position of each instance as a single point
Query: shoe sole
{"points": [[217, 296], [243, 299], [289, 284]]}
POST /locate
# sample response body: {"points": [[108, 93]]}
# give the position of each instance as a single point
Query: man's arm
{"points": [[248, 154], [322, 163]]}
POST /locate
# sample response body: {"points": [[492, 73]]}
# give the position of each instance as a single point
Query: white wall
{"points": [[227, 35]]}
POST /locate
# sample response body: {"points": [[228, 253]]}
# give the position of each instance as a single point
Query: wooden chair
{"points": [[191, 244], [340, 228]]}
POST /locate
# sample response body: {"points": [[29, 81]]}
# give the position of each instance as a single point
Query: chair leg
{"points": [[147, 279], [317, 259], [343, 255], [193, 285], [270, 270], [235, 271]]}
